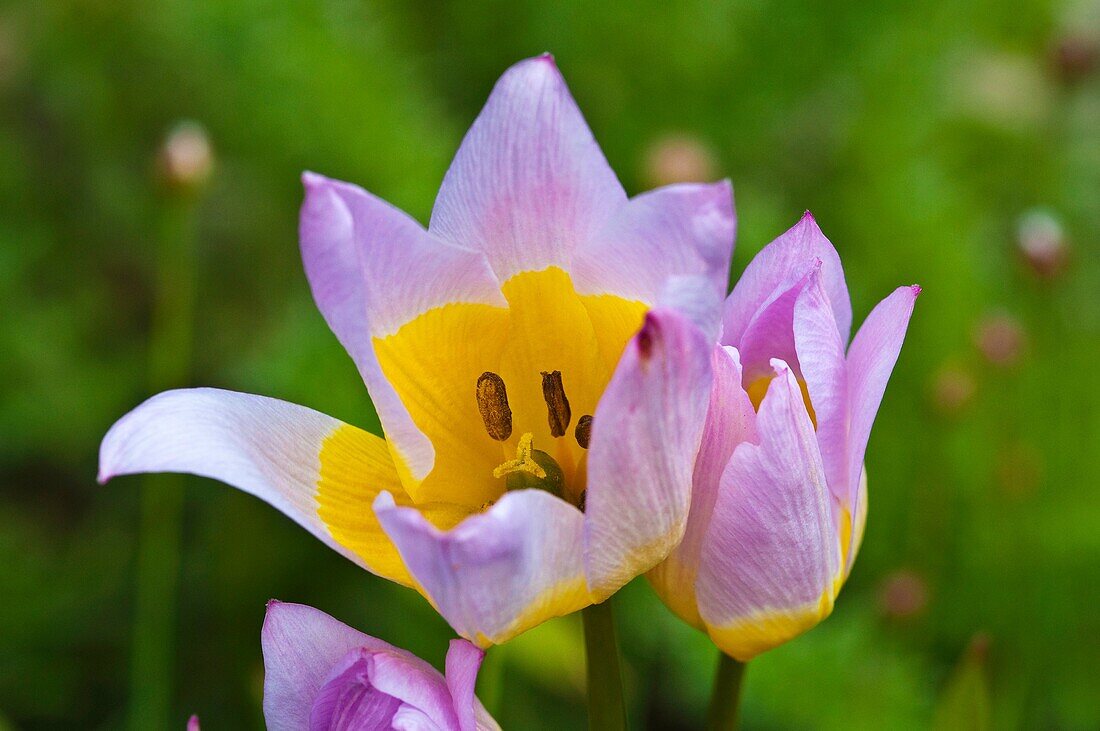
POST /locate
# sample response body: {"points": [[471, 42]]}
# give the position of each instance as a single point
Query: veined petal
{"points": [[372, 270], [731, 420], [529, 182], [871, 360], [771, 557], [497, 573], [777, 267], [685, 229], [770, 334], [463, 663], [319, 471], [821, 360], [645, 436], [301, 646]]}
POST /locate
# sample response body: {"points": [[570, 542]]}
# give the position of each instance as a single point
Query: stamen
{"points": [[557, 405], [492, 402], [583, 432]]}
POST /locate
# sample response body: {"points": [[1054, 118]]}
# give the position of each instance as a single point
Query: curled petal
{"points": [[731, 420], [529, 182], [776, 268], [771, 558], [679, 230], [463, 663], [315, 469], [497, 573], [645, 436], [373, 269], [301, 646]]}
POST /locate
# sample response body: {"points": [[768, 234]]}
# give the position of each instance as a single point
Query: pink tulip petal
{"points": [[731, 420], [463, 663], [821, 361], [772, 553], [777, 267], [301, 646], [871, 360], [372, 269], [685, 229], [529, 182], [645, 436], [497, 573], [266, 447]]}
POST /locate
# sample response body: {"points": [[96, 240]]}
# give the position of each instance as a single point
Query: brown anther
{"points": [[583, 432], [557, 405], [492, 402]]}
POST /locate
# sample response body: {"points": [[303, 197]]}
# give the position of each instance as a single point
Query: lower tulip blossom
{"points": [[779, 499], [534, 359], [321, 675]]}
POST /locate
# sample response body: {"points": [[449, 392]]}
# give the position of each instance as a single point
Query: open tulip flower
{"points": [[779, 501], [541, 381], [321, 675]]}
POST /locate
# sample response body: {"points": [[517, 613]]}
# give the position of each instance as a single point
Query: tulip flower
{"points": [[535, 357], [321, 675], [779, 500]]}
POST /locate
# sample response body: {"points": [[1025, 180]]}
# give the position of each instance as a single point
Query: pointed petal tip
{"points": [[916, 289], [546, 57]]}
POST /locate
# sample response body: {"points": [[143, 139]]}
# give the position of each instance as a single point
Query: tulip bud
{"points": [[903, 595], [1076, 56], [186, 158], [1019, 469], [1042, 243], [1000, 339], [952, 390], [679, 158]]}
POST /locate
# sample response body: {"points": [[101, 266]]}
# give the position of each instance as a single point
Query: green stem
{"points": [[725, 700], [606, 708], [160, 526]]}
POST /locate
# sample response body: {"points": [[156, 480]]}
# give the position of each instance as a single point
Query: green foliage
{"points": [[919, 134]]}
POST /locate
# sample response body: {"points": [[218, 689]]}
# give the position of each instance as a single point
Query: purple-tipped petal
{"points": [[645, 436], [463, 663], [871, 360], [266, 447], [731, 420], [497, 573], [777, 267], [821, 360], [301, 646], [193, 723], [685, 229], [372, 269], [771, 556], [529, 182]]}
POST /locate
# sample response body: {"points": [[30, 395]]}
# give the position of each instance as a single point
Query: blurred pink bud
{"points": [[1019, 469], [952, 390], [1000, 338], [186, 157], [1042, 243], [1076, 56], [193, 723], [903, 595], [679, 158]]}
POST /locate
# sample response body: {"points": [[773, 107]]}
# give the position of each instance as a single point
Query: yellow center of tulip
{"points": [[494, 388]]}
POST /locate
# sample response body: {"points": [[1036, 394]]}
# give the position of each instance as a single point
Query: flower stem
{"points": [[725, 700], [606, 708], [160, 527]]}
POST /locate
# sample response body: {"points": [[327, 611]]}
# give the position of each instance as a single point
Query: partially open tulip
{"points": [[534, 359], [321, 675], [779, 500]]}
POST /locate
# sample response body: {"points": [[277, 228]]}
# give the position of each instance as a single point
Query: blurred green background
{"points": [[954, 144]]}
